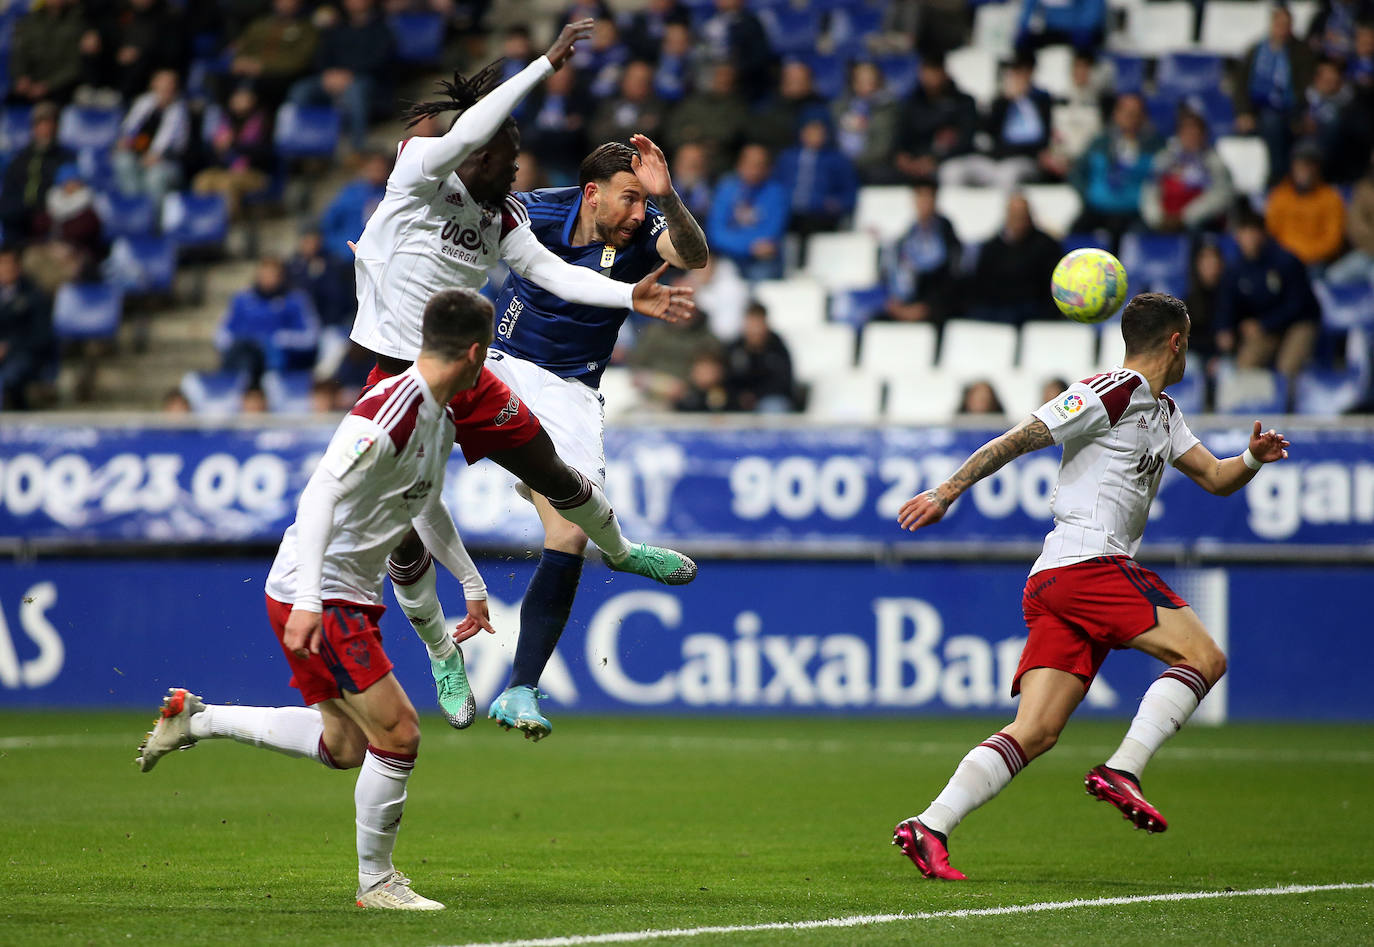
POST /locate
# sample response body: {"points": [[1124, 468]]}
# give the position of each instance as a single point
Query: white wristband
{"points": [[1250, 460]]}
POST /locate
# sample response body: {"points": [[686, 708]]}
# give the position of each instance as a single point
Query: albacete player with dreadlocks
{"points": [[446, 218]]}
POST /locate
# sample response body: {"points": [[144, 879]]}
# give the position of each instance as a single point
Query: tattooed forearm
{"points": [[688, 238], [1030, 435]]}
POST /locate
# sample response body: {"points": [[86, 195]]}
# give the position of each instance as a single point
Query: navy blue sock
{"points": [[543, 613]]}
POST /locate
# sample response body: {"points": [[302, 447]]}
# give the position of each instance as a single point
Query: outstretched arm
{"points": [[1225, 477], [683, 244], [439, 533], [926, 508]]}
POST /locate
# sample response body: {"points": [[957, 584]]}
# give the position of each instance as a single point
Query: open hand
{"points": [[303, 633], [924, 509], [650, 166], [1269, 446], [479, 619], [562, 49], [669, 303]]}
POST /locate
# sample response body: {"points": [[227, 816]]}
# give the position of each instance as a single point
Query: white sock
{"points": [[1166, 707], [590, 509], [379, 797], [415, 593], [295, 731], [982, 774]]}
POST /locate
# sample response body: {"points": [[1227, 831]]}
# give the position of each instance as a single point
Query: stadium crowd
{"points": [[989, 138]]}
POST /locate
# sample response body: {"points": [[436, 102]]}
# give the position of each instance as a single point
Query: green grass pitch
{"points": [[618, 824]]}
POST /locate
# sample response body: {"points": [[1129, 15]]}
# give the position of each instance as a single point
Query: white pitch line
{"points": [[861, 920]]}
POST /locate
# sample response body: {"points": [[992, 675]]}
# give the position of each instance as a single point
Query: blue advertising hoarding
{"points": [[905, 639], [752, 488]]}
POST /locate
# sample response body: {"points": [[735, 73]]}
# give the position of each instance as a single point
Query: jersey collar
{"points": [[425, 393], [571, 222]]}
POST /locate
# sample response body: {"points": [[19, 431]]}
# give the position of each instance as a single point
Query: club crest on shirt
{"points": [[455, 199], [607, 256]]}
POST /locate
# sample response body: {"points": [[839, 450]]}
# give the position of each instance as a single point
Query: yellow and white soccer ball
{"points": [[1089, 285]]}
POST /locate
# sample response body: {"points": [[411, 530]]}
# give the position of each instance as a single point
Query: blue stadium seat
{"points": [[792, 31], [309, 131], [828, 74], [1080, 241], [1130, 72], [217, 394], [125, 215], [419, 36], [288, 392], [899, 72], [1156, 262], [1189, 393], [87, 311], [1214, 105], [195, 221], [142, 264], [1184, 74], [1326, 393], [14, 128], [857, 306], [1345, 305], [89, 127], [851, 25]]}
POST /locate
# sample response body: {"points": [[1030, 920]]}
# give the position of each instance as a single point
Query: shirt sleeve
{"points": [[1181, 439], [1076, 414], [440, 535], [577, 284], [476, 125], [356, 448]]}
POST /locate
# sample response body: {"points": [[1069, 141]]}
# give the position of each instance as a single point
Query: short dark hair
{"points": [[455, 319], [605, 162], [1149, 319], [925, 182]]}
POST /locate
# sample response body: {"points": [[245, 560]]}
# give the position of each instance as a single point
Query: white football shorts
{"points": [[573, 414]]}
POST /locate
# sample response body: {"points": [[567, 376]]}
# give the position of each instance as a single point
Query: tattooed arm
{"points": [[683, 244], [927, 508]]}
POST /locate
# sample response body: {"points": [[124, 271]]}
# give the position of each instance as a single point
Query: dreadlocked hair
{"points": [[460, 94]]}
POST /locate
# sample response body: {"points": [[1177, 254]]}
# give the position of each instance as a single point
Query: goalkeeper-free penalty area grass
{"points": [[702, 831]]}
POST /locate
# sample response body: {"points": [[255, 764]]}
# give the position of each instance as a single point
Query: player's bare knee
{"points": [[1211, 663], [565, 537]]}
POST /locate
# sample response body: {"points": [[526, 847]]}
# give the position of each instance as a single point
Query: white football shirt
{"points": [[1117, 438]]}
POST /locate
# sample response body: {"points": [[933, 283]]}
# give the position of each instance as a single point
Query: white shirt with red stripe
{"points": [[382, 472], [428, 234], [1117, 438]]}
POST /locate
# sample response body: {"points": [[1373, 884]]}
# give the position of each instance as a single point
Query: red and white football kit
{"points": [[1086, 594], [382, 473]]}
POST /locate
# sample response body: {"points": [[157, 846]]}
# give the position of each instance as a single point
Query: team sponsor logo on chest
{"points": [[462, 241]]}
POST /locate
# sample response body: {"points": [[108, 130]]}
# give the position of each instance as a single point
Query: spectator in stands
{"points": [[152, 140], [1337, 122], [343, 220], [1204, 286], [48, 52], [1358, 264], [749, 216], [1269, 89], [600, 62], [706, 390], [1078, 120], [327, 280], [27, 348], [517, 52], [30, 174], [556, 129], [921, 270], [937, 121], [635, 110], [1013, 271], [253, 401], [138, 39], [1304, 213], [175, 402], [241, 143], [717, 117], [351, 62], [676, 64], [1359, 69], [275, 50], [776, 122], [325, 396], [529, 173], [646, 30], [979, 397], [1332, 31], [71, 233], [1080, 23], [1189, 187], [664, 352], [1110, 174], [1053, 388], [1018, 125], [1266, 313], [268, 326], [734, 34], [865, 123], [692, 178], [758, 366], [819, 179]]}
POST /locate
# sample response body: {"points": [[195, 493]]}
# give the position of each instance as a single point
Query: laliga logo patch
{"points": [[1072, 403], [362, 445]]}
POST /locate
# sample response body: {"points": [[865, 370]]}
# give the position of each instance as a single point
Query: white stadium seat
{"points": [[618, 392], [1060, 349], [885, 211], [798, 302], [1019, 392], [1111, 347], [820, 350], [1248, 161], [977, 213], [895, 349], [1157, 28], [994, 27], [840, 261], [1304, 12], [1231, 27], [848, 396], [922, 398], [1053, 207], [1054, 70], [974, 70], [970, 349]]}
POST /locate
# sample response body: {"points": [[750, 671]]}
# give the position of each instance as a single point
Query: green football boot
{"points": [[655, 562], [456, 702]]}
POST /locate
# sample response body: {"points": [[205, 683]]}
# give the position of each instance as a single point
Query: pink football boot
{"points": [[1124, 793], [925, 850]]}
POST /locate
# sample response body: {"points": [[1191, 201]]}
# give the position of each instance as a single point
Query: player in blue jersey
{"points": [[623, 220]]}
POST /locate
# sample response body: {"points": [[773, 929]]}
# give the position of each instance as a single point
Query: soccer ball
{"points": [[1089, 285]]}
